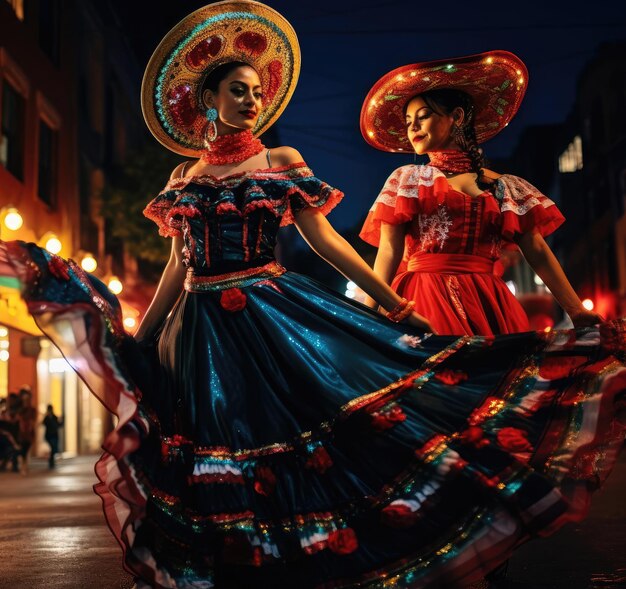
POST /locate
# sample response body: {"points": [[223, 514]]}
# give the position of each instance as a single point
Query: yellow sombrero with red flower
{"points": [[234, 30], [496, 81]]}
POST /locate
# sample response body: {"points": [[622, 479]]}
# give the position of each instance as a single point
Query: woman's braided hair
{"points": [[446, 100]]}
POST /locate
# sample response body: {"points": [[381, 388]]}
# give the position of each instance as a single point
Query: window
{"points": [[18, 8], [571, 160], [47, 164], [12, 132]]}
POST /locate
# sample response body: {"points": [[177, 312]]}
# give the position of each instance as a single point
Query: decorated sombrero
{"points": [[496, 80], [239, 30]]}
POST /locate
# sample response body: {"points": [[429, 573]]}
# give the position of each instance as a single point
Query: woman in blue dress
{"points": [[288, 436]]}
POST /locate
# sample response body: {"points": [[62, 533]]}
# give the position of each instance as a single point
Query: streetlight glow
{"points": [[588, 304], [12, 219], [52, 243], [115, 285], [88, 263]]}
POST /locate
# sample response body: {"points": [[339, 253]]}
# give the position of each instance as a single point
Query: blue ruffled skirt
{"points": [[282, 435]]}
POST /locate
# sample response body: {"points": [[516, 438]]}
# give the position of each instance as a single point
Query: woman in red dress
{"points": [[440, 228]]}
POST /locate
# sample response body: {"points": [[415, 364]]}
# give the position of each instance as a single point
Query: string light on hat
{"points": [[496, 82]]}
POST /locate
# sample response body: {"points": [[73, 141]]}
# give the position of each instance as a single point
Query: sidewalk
{"points": [[52, 530], [53, 536]]}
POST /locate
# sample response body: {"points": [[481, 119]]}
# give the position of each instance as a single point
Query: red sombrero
{"points": [[496, 80]]}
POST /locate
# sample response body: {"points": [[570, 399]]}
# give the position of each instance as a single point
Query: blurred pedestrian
{"points": [[52, 424], [9, 448], [27, 419], [9, 422]]}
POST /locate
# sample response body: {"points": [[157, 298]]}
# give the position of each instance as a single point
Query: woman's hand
{"points": [[586, 318], [417, 320]]}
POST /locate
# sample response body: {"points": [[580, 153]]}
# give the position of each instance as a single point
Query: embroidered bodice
{"points": [[443, 220], [232, 222]]}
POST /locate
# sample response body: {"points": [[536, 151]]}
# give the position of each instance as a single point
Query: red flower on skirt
{"points": [[58, 268], [265, 480], [474, 436], [451, 377], [513, 439], [384, 420], [343, 541], [320, 460], [398, 515], [556, 367], [233, 300]]}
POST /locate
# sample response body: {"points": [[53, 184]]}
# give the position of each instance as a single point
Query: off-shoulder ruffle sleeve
{"points": [[160, 211], [524, 208], [283, 191], [303, 190], [409, 190]]}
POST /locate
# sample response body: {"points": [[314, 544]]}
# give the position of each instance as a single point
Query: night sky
{"points": [[348, 44]]}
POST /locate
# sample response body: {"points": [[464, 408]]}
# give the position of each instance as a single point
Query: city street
{"points": [[53, 536]]}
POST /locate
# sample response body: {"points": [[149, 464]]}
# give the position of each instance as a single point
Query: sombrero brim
{"points": [[227, 31], [496, 80]]}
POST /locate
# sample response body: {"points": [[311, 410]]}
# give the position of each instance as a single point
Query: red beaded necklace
{"points": [[452, 161], [232, 149]]}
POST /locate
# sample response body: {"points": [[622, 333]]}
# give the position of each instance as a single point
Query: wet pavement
{"points": [[53, 536]]}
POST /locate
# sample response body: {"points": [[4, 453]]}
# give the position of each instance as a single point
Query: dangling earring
{"points": [[211, 131], [458, 134]]}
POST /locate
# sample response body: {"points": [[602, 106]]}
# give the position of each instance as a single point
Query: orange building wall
{"points": [[22, 370]]}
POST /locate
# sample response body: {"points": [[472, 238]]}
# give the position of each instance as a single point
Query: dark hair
{"points": [[212, 81], [446, 100]]}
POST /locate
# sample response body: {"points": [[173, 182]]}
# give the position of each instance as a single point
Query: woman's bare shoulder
{"points": [[181, 169], [490, 175], [284, 156]]}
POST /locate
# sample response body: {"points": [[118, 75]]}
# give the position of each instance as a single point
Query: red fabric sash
{"points": [[450, 264]]}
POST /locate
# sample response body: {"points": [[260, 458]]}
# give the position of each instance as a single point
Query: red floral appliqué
{"points": [[265, 480], [451, 377], [556, 367], [207, 49], [181, 105], [343, 541], [398, 515], [384, 420], [232, 299], [474, 436], [319, 460], [513, 439], [251, 43], [275, 72], [58, 268]]}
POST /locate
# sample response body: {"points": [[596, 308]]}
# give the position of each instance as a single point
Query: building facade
{"points": [[69, 114], [592, 181]]}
